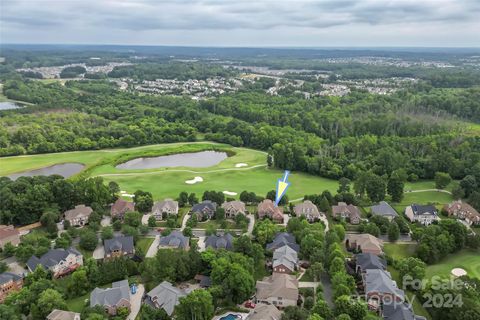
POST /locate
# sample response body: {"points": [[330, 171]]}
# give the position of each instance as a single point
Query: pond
{"points": [[201, 159], [7, 105], [64, 169]]}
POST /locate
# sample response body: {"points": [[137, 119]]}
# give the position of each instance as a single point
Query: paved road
{"points": [[106, 221], [327, 289], [152, 251], [426, 190], [99, 252], [201, 243], [136, 302], [145, 218]]}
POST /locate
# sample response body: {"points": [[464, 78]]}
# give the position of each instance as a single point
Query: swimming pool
{"points": [[230, 317]]}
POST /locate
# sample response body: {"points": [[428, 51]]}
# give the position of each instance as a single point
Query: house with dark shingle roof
{"points": [[204, 210], [63, 315], [281, 239], [380, 287], [59, 261], [219, 242], [78, 216], [397, 311], [383, 209], [120, 207], [9, 282], [165, 296], [285, 260], [364, 243], [112, 298], [122, 246], [422, 214], [364, 261], [175, 240]]}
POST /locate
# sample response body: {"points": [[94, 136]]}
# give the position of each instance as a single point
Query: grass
{"points": [[215, 224], [143, 243], [169, 182], [465, 259], [399, 250]]}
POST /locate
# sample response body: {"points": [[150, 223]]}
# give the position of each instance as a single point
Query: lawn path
{"points": [[428, 190]]}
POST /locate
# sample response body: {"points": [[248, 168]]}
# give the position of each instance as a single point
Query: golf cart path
{"points": [[428, 190]]}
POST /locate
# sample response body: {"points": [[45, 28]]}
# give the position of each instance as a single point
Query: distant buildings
{"points": [[8, 234], [120, 207], [78, 216], [122, 246], [204, 210], [424, 214], [383, 209], [112, 298], [308, 210], [279, 289], [9, 282], [175, 240], [267, 208], [281, 239], [165, 296], [364, 243], [463, 211], [166, 207], [59, 261], [63, 315], [219, 242], [233, 208], [349, 212]]}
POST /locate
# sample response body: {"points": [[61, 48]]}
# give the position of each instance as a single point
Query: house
{"points": [[120, 207], [364, 243], [308, 210], [119, 247], [59, 261], [203, 281], [364, 261], [165, 296], [380, 287], [78, 216], [422, 214], [285, 260], [281, 239], [279, 289], [112, 298], [8, 234], [397, 311], [463, 211], [265, 312], [204, 210], [383, 209], [175, 240], [267, 208], [9, 282], [348, 212], [233, 208], [166, 207], [219, 242], [63, 315]]}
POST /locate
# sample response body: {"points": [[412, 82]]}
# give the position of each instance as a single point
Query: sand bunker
{"points": [[194, 180], [459, 272], [239, 165], [125, 194], [230, 193]]}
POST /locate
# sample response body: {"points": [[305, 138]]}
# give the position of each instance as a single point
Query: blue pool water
{"points": [[229, 317]]}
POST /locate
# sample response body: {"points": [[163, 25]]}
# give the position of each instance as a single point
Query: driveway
{"points": [[106, 221], [136, 302], [184, 221], [201, 243], [251, 224], [99, 252], [286, 217], [325, 221], [14, 266], [152, 251], [145, 218]]}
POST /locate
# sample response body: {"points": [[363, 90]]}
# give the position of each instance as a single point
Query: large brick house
{"points": [[463, 211], [423, 214], [120, 207], [112, 298], [233, 208], [119, 247], [349, 212], [9, 282], [267, 208]]}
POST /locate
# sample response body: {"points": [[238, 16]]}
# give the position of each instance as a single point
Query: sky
{"points": [[243, 23]]}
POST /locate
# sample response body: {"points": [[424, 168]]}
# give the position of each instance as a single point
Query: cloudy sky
{"points": [[305, 23]]}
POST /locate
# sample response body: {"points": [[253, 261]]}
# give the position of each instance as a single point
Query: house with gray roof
{"points": [[78, 216], [204, 210], [308, 210], [281, 239], [285, 260], [383, 209], [379, 287], [119, 247], [59, 261], [279, 289], [175, 240], [396, 311], [423, 214], [219, 242], [265, 312], [165, 296], [63, 315], [364, 261], [233, 208], [9, 282], [168, 207], [112, 298]]}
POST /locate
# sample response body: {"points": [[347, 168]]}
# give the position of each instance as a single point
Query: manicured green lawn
{"points": [[426, 197], [215, 224], [465, 259], [399, 250], [144, 243]]}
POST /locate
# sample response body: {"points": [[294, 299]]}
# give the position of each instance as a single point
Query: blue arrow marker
{"points": [[282, 186]]}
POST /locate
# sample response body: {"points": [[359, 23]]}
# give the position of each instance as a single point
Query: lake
{"points": [[195, 160], [64, 169], [7, 105]]}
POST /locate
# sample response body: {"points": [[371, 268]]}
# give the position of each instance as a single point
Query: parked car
{"points": [[249, 304]]}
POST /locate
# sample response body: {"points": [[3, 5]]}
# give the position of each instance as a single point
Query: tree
{"points": [[149, 313], [9, 250], [375, 188], [152, 222], [197, 305], [393, 231], [114, 189], [236, 282], [324, 205], [356, 310], [192, 199], [344, 185], [107, 233], [48, 221], [64, 241], [294, 313], [411, 269], [47, 301], [88, 240], [321, 308], [133, 219], [469, 184], [395, 187], [442, 179], [182, 199], [315, 316], [78, 283], [8, 312], [143, 201], [264, 231]]}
